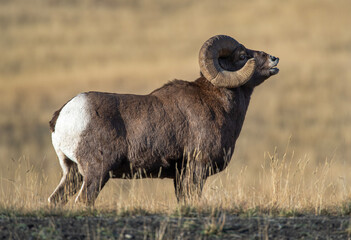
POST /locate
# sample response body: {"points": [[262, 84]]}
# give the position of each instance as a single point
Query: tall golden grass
{"points": [[52, 50]]}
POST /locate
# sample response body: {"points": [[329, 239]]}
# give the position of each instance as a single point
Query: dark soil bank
{"points": [[163, 227]]}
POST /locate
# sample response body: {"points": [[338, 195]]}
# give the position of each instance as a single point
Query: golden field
{"points": [[52, 50]]}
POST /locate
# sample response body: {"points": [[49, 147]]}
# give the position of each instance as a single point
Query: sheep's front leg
{"points": [[189, 182]]}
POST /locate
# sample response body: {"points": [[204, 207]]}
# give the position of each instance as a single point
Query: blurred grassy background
{"points": [[50, 50]]}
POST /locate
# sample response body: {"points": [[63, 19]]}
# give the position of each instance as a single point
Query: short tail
{"points": [[52, 123]]}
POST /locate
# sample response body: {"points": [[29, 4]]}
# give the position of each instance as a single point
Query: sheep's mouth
{"points": [[274, 70]]}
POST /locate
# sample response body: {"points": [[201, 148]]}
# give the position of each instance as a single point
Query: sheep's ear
{"points": [[221, 46]]}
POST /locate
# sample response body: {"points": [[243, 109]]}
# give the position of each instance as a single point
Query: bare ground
{"points": [[175, 227]]}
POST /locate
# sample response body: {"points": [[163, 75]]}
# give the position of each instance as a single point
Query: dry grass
{"points": [[283, 185], [51, 50]]}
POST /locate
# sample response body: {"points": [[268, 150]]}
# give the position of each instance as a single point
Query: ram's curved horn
{"points": [[221, 46]]}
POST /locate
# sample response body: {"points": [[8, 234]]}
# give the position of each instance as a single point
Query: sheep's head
{"points": [[227, 63]]}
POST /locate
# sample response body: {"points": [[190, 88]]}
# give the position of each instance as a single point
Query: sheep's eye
{"points": [[242, 57]]}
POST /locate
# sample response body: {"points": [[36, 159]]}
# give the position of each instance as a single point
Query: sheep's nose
{"points": [[273, 58]]}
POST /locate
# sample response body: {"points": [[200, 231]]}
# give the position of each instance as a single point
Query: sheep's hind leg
{"points": [[69, 184], [92, 185]]}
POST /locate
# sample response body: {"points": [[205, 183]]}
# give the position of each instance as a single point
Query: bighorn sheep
{"points": [[100, 135]]}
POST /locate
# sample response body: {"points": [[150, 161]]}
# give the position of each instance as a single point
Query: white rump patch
{"points": [[71, 122]]}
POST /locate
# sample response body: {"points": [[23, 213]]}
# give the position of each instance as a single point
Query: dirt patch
{"points": [[168, 227]]}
